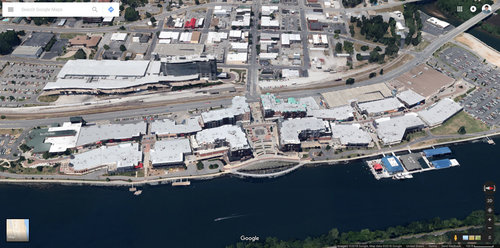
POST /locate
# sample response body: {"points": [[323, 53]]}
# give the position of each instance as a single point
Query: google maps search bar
{"points": [[40, 9]]}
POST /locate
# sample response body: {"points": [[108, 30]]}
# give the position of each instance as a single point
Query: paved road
{"points": [[420, 57], [116, 114]]}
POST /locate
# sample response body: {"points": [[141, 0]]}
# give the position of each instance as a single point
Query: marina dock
{"points": [[403, 166]]}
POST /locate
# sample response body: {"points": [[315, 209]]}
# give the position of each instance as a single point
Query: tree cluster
{"points": [[335, 237], [8, 40]]}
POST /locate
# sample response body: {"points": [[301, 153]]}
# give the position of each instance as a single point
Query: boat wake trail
{"points": [[228, 217]]}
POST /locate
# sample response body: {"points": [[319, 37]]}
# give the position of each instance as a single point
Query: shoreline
{"points": [[482, 49], [229, 172]]}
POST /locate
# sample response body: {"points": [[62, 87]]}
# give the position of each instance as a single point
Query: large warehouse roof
{"points": [[123, 156], [167, 126], [392, 130], [82, 67], [440, 112], [350, 134], [95, 133], [234, 135], [85, 83], [170, 151]]}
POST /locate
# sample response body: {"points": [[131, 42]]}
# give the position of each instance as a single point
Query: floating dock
{"points": [[403, 166], [181, 183]]}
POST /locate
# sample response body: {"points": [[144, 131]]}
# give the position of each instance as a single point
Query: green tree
{"points": [[381, 71], [80, 54], [123, 48], [39, 168], [348, 47], [197, 2], [131, 14], [462, 130], [350, 81], [364, 48], [2, 117], [106, 47], [338, 47], [24, 147], [372, 75]]}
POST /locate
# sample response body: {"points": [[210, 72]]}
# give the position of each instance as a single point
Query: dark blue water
{"points": [[308, 202]]}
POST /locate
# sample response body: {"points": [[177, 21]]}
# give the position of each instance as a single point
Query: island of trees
{"points": [[335, 237]]}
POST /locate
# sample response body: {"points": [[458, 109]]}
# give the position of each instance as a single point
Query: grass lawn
{"points": [[452, 125], [51, 98], [69, 35]]}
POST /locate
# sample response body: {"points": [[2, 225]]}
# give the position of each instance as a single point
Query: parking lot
{"points": [[483, 102], [21, 83]]}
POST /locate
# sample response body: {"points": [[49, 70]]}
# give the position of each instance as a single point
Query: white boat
{"points": [[138, 192]]}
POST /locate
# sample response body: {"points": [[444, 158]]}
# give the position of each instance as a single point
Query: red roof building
{"points": [[377, 167]]}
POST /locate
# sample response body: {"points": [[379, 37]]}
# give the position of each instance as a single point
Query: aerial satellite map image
{"points": [[249, 123]]}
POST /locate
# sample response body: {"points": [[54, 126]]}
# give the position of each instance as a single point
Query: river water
{"points": [[215, 213], [430, 8]]}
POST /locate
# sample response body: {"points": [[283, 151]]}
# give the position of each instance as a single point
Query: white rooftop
{"points": [[94, 133], [392, 130], [123, 156], [237, 57], [339, 113], [89, 68], [350, 134], [239, 106], [410, 97], [291, 128], [440, 112], [119, 36], [61, 143], [169, 151], [234, 135], [270, 102], [380, 106], [167, 126]]}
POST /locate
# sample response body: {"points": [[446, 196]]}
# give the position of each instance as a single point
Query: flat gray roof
{"points": [[291, 128], [339, 113], [360, 94], [239, 106], [392, 130], [234, 135], [167, 126], [170, 151], [440, 112], [381, 106], [94, 133], [410, 97], [411, 161], [123, 155], [179, 49], [89, 68], [350, 134]]}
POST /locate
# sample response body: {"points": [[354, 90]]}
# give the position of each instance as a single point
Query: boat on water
{"points": [[138, 192], [132, 189]]}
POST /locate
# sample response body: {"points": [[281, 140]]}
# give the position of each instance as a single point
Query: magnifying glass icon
{"points": [[94, 9]]}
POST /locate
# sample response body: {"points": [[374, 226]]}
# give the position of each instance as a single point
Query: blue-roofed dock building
{"points": [[441, 151], [392, 165]]}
